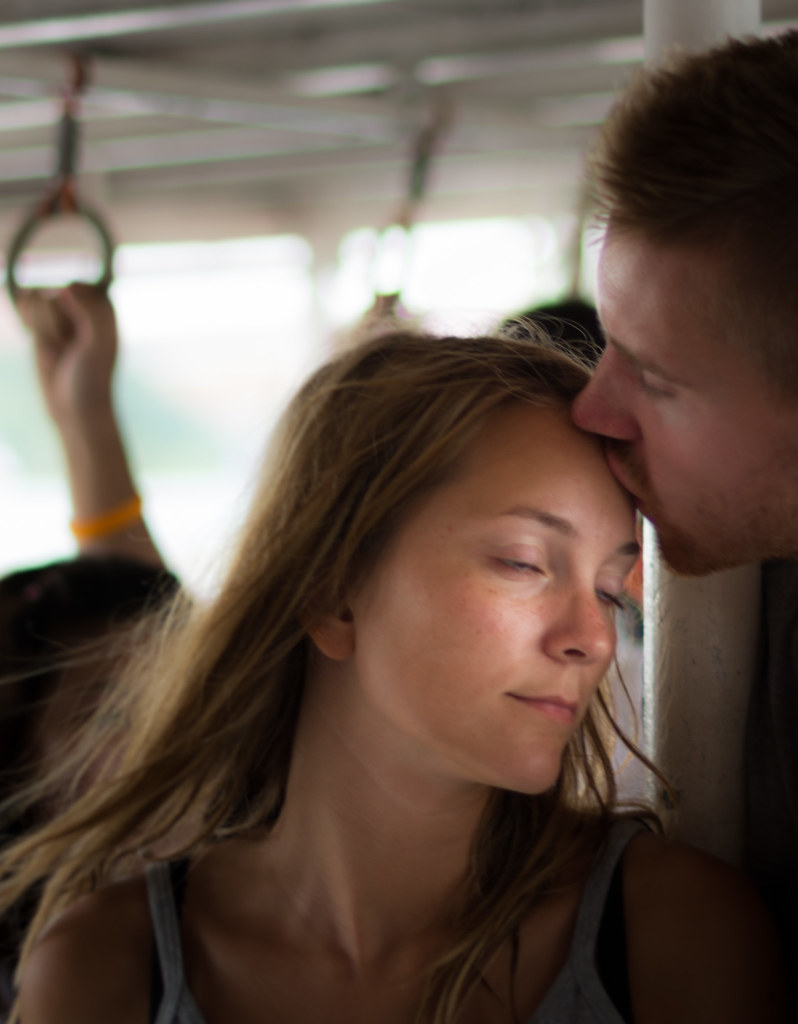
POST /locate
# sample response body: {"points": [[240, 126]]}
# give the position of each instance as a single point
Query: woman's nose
{"points": [[583, 630]]}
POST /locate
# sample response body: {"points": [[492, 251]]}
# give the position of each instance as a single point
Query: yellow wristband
{"points": [[109, 522]]}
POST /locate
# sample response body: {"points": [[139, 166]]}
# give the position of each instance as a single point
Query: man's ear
{"points": [[333, 634]]}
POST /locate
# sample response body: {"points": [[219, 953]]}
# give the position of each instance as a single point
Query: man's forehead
{"points": [[656, 302], [659, 309], [694, 273]]}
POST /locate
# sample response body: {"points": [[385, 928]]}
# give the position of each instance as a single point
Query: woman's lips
{"points": [[558, 708]]}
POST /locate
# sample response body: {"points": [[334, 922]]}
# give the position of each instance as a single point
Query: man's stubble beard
{"points": [[697, 550]]}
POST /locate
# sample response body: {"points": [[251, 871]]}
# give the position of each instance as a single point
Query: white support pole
{"points": [[699, 649], [700, 635], [695, 24]]}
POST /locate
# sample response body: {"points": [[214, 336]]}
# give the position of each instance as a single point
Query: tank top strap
{"points": [[591, 912], [594, 897], [164, 911], [578, 993]]}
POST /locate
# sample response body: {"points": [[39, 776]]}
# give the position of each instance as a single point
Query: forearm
{"points": [[100, 481]]}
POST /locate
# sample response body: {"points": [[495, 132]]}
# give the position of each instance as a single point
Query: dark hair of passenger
{"points": [[573, 323]]}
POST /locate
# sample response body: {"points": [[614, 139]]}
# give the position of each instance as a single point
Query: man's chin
{"points": [[686, 558]]}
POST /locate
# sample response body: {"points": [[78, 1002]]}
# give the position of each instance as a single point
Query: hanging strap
{"points": [[62, 197], [425, 145]]}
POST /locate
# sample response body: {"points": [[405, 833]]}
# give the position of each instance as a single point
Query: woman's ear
{"points": [[333, 634]]}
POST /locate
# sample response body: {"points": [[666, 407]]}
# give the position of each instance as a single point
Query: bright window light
{"points": [[213, 339], [469, 272]]}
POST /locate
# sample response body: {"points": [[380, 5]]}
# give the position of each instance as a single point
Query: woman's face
{"points": [[481, 634]]}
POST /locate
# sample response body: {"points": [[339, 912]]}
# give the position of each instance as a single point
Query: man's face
{"points": [[709, 450]]}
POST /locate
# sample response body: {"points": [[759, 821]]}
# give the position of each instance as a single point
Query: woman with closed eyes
{"points": [[370, 780]]}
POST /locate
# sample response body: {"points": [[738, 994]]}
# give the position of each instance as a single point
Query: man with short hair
{"points": [[696, 179]]}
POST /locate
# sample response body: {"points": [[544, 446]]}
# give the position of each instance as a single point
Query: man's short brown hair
{"points": [[703, 152]]}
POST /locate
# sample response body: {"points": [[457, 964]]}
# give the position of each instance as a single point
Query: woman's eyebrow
{"points": [[557, 523], [563, 526]]}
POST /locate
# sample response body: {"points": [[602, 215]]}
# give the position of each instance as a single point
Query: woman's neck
{"points": [[369, 849]]}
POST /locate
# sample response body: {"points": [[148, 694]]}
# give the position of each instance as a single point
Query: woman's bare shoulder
{"points": [[92, 963], [702, 945]]}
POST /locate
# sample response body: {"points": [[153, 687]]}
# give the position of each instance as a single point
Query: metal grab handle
{"points": [[62, 197], [28, 228]]}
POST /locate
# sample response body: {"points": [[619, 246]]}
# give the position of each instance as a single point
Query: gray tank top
{"points": [[577, 995]]}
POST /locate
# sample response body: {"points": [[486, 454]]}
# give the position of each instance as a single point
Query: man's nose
{"points": [[602, 408]]}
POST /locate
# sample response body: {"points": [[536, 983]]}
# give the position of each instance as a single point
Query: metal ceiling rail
{"points": [[131, 87], [147, 88], [224, 145], [49, 31]]}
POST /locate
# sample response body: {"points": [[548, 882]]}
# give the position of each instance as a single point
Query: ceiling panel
{"points": [[309, 110]]}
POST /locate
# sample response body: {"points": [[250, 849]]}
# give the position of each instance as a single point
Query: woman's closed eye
{"points": [[615, 600], [519, 565]]}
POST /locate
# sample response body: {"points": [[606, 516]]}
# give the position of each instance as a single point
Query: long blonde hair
{"points": [[209, 707]]}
